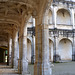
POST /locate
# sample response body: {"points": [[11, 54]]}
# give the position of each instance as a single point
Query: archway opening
{"points": [[65, 49], [29, 50], [50, 50], [3, 55]]}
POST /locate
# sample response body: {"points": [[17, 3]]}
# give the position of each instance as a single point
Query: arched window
{"points": [[63, 17], [65, 49]]}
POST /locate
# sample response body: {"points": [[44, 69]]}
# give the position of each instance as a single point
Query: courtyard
{"points": [[66, 68]]}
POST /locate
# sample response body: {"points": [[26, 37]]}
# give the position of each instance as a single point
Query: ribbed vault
{"points": [[14, 13]]}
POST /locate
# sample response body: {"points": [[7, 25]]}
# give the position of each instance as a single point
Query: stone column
{"points": [[10, 49], [33, 44], [33, 22], [73, 48], [42, 64], [54, 16], [54, 50], [8, 52], [33, 50], [12, 53], [20, 54], [72, 23], [23, 62], [16, 51], [72, 17]]}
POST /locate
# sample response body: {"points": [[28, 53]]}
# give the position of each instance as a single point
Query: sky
{"points": [[71, 0]]}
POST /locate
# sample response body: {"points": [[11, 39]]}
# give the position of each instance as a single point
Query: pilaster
{"points": [[73, 48], [54, 16], [72, 17], [13, 49], [54, 50], [33, 45], [56, 57], [33, 50]]}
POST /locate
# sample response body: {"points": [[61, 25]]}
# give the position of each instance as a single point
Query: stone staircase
{"points": [[7, 70]]}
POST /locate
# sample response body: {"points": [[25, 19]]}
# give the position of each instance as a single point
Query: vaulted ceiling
{"points": [[13, 12]]}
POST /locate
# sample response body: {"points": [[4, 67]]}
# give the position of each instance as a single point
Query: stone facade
{"points": [[37, 32], [61, 25]]}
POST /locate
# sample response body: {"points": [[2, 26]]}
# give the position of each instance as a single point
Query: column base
{"points": [[32, 59], [24, 73], [23, 67], [42, 69], [19, 66], [12, 63], [9, 60], [15, 63], [56, 58], [73, 57]]}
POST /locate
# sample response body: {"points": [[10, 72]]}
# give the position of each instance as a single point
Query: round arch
{"points": [[68, 10], [63, 17], [65, 49]]}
